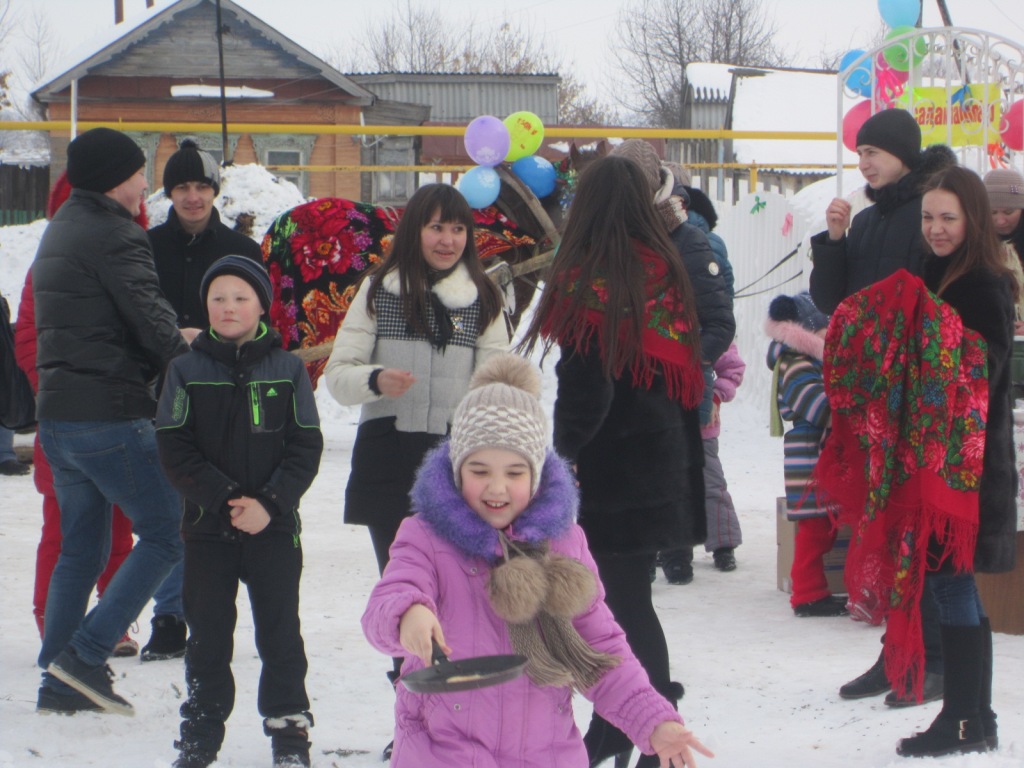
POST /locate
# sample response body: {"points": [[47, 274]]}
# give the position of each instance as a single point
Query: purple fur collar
{"points": [[437, 500]]}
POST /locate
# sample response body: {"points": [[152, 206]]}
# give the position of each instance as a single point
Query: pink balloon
{"points": [[882, 65], [1012, 132], [852, 121]]}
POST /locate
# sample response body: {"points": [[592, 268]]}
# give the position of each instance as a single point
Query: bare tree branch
{"points": [[657, 39]]}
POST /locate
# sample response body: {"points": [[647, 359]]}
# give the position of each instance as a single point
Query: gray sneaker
{"points": [[70, 703], [93, 682]]}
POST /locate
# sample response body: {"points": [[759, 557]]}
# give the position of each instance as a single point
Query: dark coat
{"points": [[639, 457], [182, 260], [710, 292], [985, 303], [238, 421], [104, 329], [883, 238]]}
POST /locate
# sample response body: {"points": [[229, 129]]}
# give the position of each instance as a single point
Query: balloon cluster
{"points": [[883, 78], [490, 141]]}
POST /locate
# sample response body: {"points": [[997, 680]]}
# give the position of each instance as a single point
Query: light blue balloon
{"points": [[859, 80], [480, 186], [536, 173], [899, 13]]}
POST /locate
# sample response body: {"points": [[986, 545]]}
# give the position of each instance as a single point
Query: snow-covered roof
{"points": [[101, 49], [213, 92], [787, 100], [713, 79]]}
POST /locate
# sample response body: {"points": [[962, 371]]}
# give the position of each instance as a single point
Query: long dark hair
{"points": [[611, 212], [406, 256], [981, 247]]}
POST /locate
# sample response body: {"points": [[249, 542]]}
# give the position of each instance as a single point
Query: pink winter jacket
{"points": [[516, 724], [729, 370]]}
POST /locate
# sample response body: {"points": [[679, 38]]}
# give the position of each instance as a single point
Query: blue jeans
{"points": [[7, 445], [956, 595], [96, 464]]}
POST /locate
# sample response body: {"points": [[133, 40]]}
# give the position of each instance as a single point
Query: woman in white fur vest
{"points": [[421, 322]]}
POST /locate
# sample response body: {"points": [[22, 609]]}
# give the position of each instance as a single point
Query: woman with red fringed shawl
{"points": [[921, 459], [619, 305]]}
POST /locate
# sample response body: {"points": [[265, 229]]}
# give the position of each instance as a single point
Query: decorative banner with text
{"points": [[956, 117]]}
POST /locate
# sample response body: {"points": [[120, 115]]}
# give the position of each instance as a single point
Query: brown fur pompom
{"points": [[517, 589], [571, 586], [509, 369]]}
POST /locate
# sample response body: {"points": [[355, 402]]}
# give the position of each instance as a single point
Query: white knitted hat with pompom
{"points": [[502, 410]]}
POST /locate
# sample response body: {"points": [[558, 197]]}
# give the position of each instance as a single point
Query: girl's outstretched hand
{"points": [[673, 742], [417, 627]]}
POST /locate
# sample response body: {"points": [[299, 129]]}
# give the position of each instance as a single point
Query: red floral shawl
{"points": [[663, 349], [908, 388]]}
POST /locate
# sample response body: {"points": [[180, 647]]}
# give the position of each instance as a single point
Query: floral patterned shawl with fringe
{"points": [[907, 383]]}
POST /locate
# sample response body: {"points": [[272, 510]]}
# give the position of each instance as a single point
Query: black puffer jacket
{"points": [[985, 303], [238, 421], [182, 260], [710, 291], [883, 238], [105, 331]]}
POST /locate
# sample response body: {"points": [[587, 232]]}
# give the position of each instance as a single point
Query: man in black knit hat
{"points": [[105, 333], [193, 237]]}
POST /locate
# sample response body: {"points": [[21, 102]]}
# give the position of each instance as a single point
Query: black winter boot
{"points": [[958, 727], [167, 640], [871, 683], [988, 717], [678, 565], [289, 739]]}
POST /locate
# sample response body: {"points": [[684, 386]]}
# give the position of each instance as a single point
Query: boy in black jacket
{"points": [[239, 437]]}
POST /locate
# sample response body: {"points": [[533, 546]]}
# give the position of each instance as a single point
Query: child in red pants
{"points": [[797, 330]]}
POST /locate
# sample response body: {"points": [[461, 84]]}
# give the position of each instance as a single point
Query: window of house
{"points": [[287, 157]]}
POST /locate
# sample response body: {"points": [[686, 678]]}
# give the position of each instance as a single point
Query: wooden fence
{"points": [[23, 193]]}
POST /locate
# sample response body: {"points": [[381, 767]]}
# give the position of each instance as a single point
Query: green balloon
{"points": [[899, 55], [526, 132]]}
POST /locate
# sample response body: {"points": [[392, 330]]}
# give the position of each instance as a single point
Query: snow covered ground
{"points": [[761, 685]]}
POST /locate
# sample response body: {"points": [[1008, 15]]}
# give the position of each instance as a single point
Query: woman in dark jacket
{"points": [[966, 269], [620, 308]]}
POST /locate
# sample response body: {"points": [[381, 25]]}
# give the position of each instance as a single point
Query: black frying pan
{"points": [[444, 676]]}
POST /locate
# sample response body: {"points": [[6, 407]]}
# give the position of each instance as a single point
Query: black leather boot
{"points": [[871, 683], [988, 717], [958, 727]]}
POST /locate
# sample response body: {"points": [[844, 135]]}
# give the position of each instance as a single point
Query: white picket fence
{"points": [[760, 231]]}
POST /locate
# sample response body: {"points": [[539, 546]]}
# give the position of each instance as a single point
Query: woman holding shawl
{"points": [[619, 306], [937, 501]]}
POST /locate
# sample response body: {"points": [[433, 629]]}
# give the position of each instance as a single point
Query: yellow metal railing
{"points": [[555, 132]]}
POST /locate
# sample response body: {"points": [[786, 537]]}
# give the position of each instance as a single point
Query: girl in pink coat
{"points": [[494, 563]]}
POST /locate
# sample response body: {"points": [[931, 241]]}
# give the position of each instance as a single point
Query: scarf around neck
{"points": [[907, 383], [534, 591], [664, 348]]}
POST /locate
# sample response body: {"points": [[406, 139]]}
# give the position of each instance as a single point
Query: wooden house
{"points": [[165, 69]]}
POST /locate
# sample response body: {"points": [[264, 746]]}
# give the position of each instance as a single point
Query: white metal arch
{"points": [[954, 76]]}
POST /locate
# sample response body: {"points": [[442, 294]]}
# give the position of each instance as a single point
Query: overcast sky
{"points": [[579, 30]]}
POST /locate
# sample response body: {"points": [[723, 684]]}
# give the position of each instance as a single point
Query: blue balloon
{"points": [[899, 13], [480, 186], [859, 80], [536, 173]]}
